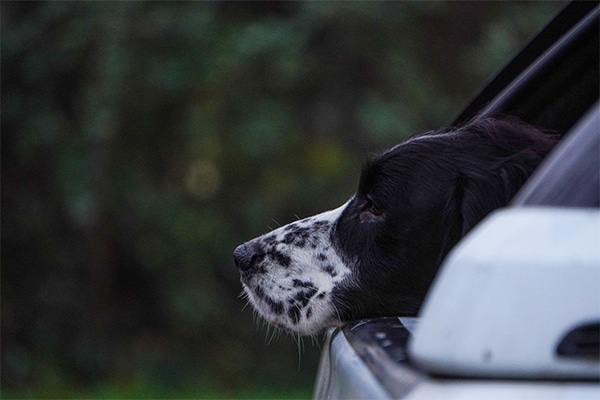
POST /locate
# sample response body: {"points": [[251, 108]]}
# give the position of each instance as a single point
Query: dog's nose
{"points": [[243, 257]]}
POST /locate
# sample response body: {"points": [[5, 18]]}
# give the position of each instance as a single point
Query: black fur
{"points": [[413, 204], [429, 192]]}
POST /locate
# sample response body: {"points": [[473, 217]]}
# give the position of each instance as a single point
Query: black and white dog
{"points": [[377, 254]]}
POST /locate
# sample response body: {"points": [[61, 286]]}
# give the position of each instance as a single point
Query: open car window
{"points": [[570, 177]]}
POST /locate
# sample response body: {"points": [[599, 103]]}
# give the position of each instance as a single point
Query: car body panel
{"points": [[510, 292], [440, 389]]}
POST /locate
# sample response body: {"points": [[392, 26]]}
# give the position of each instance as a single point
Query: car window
{"points": [[554, 91], [571, 175]]}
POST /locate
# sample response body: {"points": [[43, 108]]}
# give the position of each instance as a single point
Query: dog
{"points": [[377, 254]]}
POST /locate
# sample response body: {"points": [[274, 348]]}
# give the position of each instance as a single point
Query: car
{"points": [[514, 311]]}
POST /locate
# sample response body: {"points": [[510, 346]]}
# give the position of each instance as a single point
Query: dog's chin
{"points": [[308, 321]]}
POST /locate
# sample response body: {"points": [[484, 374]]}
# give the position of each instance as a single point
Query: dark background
{"points": [[142, 141]]}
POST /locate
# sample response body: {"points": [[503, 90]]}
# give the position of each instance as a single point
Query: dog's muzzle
{"points": [[289, 274]]}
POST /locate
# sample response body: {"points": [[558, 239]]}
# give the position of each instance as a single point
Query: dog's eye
{"points": [[369, 212]]}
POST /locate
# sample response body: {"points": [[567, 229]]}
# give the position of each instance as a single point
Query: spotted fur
{"points": [[291, 272]]}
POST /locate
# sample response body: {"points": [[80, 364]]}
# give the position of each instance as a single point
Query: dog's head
{"points": [[377, 254]]}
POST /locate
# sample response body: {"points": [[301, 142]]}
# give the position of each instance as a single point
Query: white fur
{"points": [[303, 287]]}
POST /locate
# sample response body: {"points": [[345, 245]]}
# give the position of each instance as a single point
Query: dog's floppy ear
{"points": [[506, 151], [477, 195]]}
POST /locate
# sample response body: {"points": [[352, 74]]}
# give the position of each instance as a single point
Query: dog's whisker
{"points": [[257, 319], [320, 307], [300, 350], [336, 312], [267, 333], [314, 341], [299, 340], [245, 306], [274, 333]]}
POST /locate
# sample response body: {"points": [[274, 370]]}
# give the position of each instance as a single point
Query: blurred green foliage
{"points": [[142, 141]]}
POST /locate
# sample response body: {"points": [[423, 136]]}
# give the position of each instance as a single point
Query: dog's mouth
{"points": [[302, 308]]}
